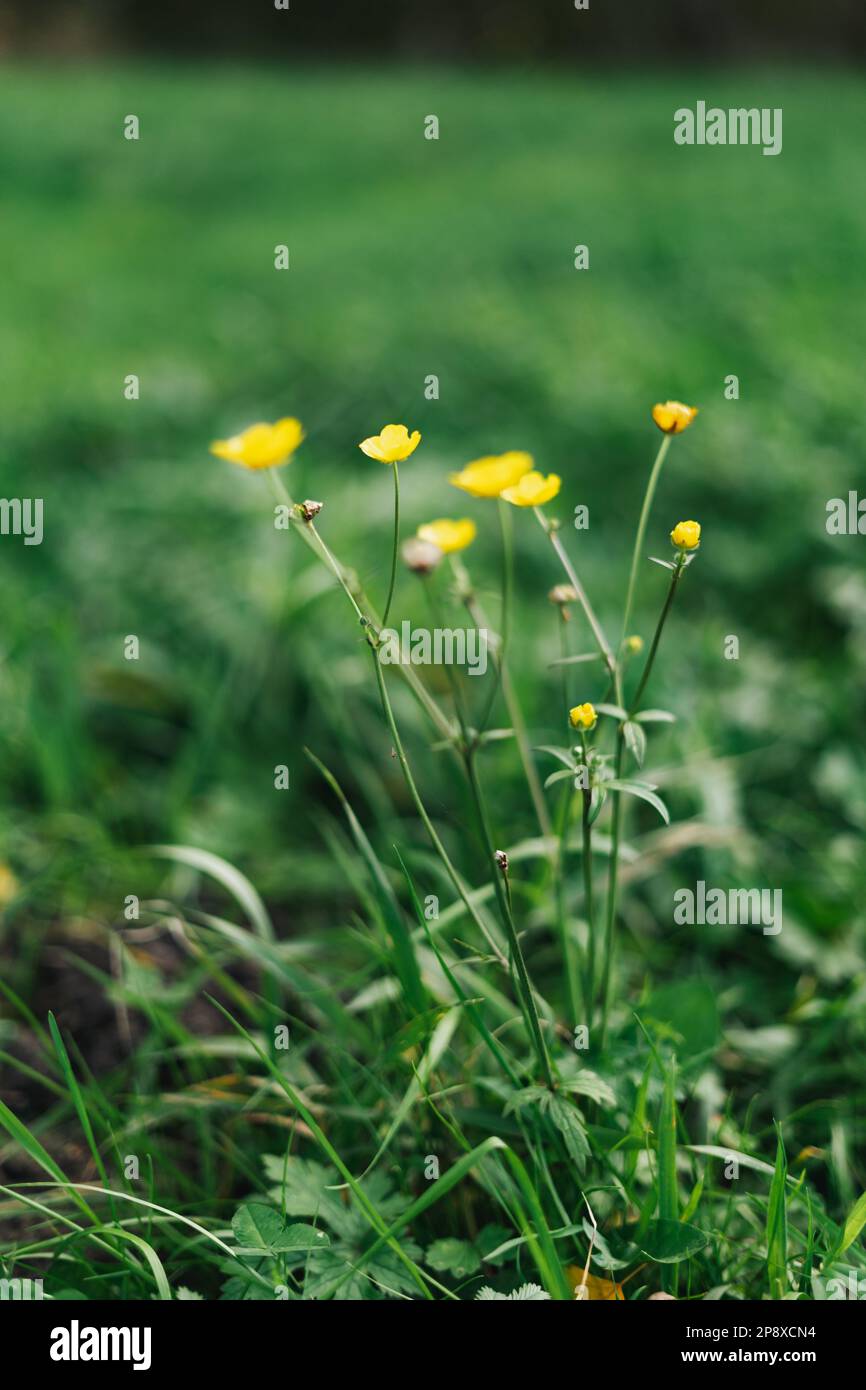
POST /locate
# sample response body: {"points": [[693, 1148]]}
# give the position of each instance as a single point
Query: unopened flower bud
{"points": [[673, 417], [421, 557], [686, 535], [583, 716]]}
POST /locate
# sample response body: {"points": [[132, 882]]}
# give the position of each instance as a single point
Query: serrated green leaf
{"points": [[586, 1083], [567, 1120], [524, 1293], [260, 1227]]}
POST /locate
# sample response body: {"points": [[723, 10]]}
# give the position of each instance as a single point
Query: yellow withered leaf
{"points": [[597, 1290]]}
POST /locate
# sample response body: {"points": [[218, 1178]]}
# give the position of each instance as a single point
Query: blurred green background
{"points": [[412, 257]]}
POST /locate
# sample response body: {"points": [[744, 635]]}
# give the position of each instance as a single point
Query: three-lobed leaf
{"points": [[257, 1226]]}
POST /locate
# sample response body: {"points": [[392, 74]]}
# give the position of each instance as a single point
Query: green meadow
{"points": [[151, 1037]]}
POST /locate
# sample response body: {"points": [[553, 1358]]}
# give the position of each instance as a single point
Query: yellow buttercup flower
{"points": [[393, 445], [673, 417], [583, 716], [261, 446], [533, 490], [686, 535], [448, 535], [634, 644], [488, 476]]}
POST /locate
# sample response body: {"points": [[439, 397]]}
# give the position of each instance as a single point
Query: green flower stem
{"points": [[569, 963], [396, 544], [597, 631], [612, 884], [620, 744], [363, 608], [515, 714], [452, 676], [571, 967], [314, 540], [425, 819], [679, 567], [533, 781], [641, 530], [589, 977], [501, 884], [469, 1004], [506, 591], [617, 808], [616, 825], [503, 894], [506, 532]]}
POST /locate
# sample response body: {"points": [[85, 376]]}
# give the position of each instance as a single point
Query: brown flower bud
{"points": [[421, 557], [563, 593]]}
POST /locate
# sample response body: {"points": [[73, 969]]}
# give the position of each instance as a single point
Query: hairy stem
{"points": [[588, 906], [425, 819], [602, 643], [476, 612], [641, 530], [363, 608], [676, 575], [616, 827], [503, 893]]}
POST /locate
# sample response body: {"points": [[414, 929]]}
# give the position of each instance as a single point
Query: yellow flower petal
{"points": [[533, 490], [394, 444], [486, 477], [686, 535], [261, 446], [448, 535], [673, 417]]}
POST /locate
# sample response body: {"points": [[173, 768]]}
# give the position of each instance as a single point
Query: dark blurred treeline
{"points": [[470, 30]]}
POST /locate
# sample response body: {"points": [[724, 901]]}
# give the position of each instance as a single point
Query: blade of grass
{"points": [[240, 888], [439, 1043], [77, 1097], [668, 1198], [777, 1224], [405, 963], [470, 1006], [40, 1156]]}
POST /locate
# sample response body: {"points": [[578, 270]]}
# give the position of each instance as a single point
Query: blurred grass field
{"points": [[455, 258]]}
